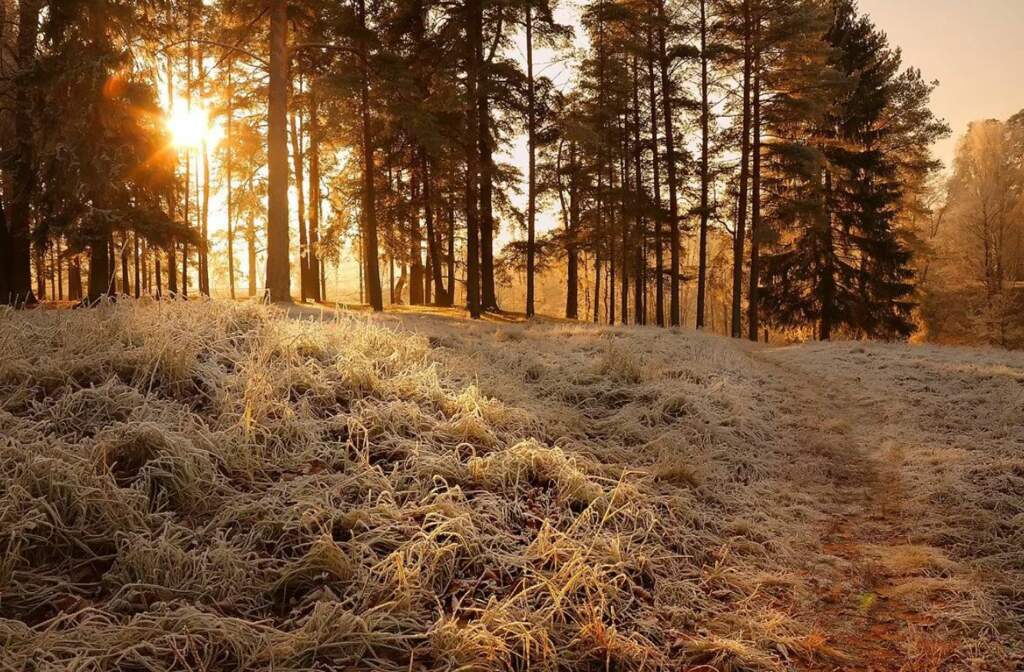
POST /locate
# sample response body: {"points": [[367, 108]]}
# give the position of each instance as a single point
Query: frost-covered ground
{"points": [[218, 487]]}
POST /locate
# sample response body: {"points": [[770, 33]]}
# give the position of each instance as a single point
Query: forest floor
{"points": [[214, 486]]}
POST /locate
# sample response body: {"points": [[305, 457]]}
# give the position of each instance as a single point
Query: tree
{"points": [[842, 264], [278, 264]]}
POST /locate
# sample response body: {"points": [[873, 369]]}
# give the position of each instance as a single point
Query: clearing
{"points": [[220, 487]]}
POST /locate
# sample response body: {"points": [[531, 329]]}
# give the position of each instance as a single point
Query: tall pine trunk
{"points": [[531, 134], [443, 296], [172, 192], [572, 251], [753, 315], [705, 178], [659, 252], [205, 251], [488, 295], [739, 240], [474, 57], [640, 233], [670, 161], [278, 265], [299, 172], [627, 255], [371, 246], [229, 170], [250, 238], [312, 255]]}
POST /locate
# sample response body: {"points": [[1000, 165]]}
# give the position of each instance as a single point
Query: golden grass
{"points": [[205, 486]]}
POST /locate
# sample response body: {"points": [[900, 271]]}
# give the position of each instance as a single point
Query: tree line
{"points": [[760, 156]]}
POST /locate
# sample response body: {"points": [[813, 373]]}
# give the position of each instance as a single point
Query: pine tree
{"points": [[843, 265]]}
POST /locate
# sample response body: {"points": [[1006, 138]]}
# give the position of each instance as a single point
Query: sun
{"points": [[189, 128]]}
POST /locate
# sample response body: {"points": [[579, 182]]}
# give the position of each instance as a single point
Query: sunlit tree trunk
{"points": [[443, 297], [229, 167], [300, 186], [250, 239], [205, 251], [313, 260], [278, 265], [371, 247]]}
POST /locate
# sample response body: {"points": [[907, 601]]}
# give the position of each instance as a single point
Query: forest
{"points": [[741, 166], [473, 335]]}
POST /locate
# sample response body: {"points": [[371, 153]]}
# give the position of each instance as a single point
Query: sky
{"points": [[975, 48]]}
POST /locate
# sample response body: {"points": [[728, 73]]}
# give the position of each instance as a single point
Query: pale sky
{"points": [[975, 48]]}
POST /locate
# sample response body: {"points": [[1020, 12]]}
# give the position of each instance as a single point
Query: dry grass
{"points": [[212, 487]]}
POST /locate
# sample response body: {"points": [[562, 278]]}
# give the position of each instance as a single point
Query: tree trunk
{"points": [[136, 259], [531, 130], [443, 297], [20, 274], [229, 170], [705, 180], [488, 298], [739, 239], [58, 261], [826, 286], [99, 269], [125, 284], [415, 241], [172, 195], [204, 253], [75, 292], [312, 255], [670, 160], [640, 234], [250, 238], [6, 253], [278, 265], [371, 262], [299, 172], [572, 249], [753, 316], [627, 254], [659, 253], [474, 56], [451, 255], [40, 255]]}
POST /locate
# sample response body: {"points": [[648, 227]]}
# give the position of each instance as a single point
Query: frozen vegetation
{"points": [[205, 486]]}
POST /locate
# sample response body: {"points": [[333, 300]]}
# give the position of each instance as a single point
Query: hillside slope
{"points": [[205, 486]]}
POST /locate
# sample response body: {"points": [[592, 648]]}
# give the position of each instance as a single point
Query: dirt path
{"points": [[873, 601]]}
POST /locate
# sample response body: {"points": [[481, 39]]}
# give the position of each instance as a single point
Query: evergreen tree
{"points": [[843, 265]]}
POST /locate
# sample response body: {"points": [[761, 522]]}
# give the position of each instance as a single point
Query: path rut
{"points": [[872, 603]]}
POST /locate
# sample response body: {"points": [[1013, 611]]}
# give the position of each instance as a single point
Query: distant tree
{"points": [[981, 242]]}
